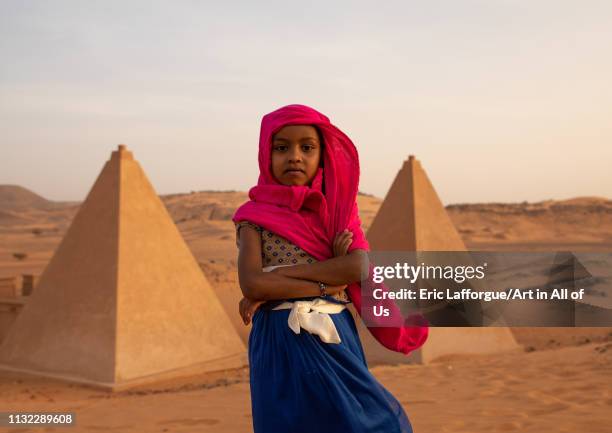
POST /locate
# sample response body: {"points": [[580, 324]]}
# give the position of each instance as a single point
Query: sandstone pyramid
{"points": [[569, 273], [123, 301], [412, 218]]}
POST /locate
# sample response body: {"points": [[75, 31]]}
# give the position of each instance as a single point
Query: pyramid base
{"points": [[227, 363], [442, 342]]}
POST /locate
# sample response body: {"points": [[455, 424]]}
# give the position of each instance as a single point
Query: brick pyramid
{"points": [[569, 273], [122, 301], [412, 218]]}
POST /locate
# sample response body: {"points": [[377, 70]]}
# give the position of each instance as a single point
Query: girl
{"points": [[301, 250]]}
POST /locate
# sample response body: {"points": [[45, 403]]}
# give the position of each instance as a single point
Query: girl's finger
{"points": [[345, 246], [339, 241], [243, 313], [250, 314], [337, 244], [339, 236]]}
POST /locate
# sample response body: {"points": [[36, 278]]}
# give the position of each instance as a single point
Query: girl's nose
{"points": [[295, 154]]}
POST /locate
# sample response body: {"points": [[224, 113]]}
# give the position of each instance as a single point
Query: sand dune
{"points": [[583, 223], [36, 225], [560, 382], [18, 197], [563, 390]]}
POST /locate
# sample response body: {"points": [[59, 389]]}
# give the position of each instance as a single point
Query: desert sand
{"points": [[561, 380], [561, 390]]}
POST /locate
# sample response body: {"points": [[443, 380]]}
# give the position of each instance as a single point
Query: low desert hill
{"points": [[33, 225], [579, 223], [15, 197]]}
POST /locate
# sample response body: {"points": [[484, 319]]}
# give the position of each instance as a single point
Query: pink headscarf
{"points": [[310, 219]]}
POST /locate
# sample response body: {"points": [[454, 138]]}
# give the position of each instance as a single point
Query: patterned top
{"points": [[276, 250]]}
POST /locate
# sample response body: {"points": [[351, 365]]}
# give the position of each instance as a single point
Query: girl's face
{"points": [[296, 153]]}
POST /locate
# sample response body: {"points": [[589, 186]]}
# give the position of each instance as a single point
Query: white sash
{"points": [[313, 316]]}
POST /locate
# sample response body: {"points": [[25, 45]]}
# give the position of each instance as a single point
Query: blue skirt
{"points": [[301, 384]]}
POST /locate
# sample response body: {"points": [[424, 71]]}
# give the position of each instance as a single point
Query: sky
{"points": [[500, 100]]}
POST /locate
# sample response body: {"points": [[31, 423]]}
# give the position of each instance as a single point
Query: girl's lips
{"points": [[294, 171]]}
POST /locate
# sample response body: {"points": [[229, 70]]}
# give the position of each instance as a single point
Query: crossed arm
{"points": [[294, 281]]}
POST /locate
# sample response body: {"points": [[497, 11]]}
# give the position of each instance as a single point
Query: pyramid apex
{"points": [[122, 153], [411, 161]]}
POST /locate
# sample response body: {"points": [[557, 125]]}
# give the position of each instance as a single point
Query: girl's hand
{"points": [[342, 242], [247, 309]]}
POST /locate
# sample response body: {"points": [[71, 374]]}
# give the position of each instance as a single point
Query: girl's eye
{"points": [[307, 147], [280, 148]]}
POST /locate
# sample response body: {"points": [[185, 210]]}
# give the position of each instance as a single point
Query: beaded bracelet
{"points": [[322, 287]]}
